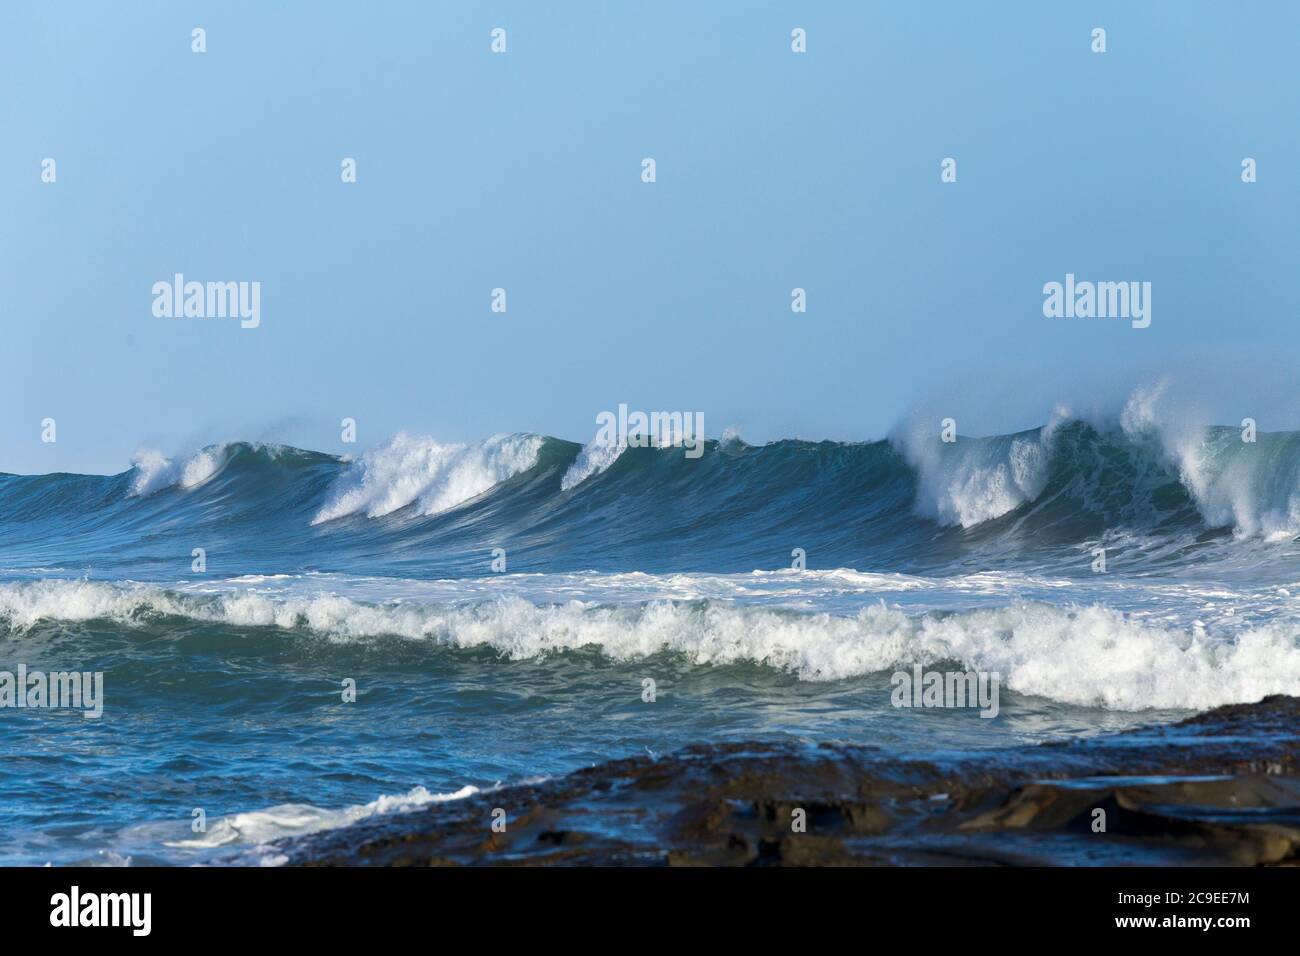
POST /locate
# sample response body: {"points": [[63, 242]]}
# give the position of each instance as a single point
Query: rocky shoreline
{"points": [[1222, 788]]}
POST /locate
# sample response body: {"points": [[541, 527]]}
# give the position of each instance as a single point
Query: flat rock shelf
{"points": [[1221, 788]]}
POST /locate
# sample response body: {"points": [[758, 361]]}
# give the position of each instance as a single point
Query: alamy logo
{"points": [[208, 300], [923, 688], [103, 909], [658, 429], [57, 690], [1098, 300]]}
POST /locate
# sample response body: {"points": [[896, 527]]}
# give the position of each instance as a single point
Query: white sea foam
{"points": [[596, 456], [24, 604], [1251, 487], [260, 827], [1086, 655], [973, 480], [435, 477], [154, 471]]}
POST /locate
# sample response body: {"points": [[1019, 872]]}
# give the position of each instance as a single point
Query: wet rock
{"points": [[1222, 788]]}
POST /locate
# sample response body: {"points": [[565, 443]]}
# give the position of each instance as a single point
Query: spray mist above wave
{"points": [[974, 480], [1252, 487], [154, 471], [1085, 655], [1112, 466], [435, 477]]}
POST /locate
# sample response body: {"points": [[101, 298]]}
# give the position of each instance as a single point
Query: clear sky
{"points": [[522, 170]]}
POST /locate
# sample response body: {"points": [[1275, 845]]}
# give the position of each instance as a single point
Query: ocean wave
{"points": [[1086, 655], [1148, 484], [153, 471], [256, 828], [596, 457], [1252, 487], [435, 477], [977, 480], [1116, 469]]}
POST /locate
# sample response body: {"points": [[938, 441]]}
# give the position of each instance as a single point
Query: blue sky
{"points": [[522, 171]]}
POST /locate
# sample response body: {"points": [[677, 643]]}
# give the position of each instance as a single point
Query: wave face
{"points": [[1045, 498]]}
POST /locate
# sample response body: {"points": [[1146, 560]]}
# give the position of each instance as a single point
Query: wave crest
{"points": [[1252, 487], [973, 480], [154, 471], [596, 457], [436, 477]]}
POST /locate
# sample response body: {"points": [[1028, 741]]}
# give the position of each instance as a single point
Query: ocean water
{"points": [[224, 687]]}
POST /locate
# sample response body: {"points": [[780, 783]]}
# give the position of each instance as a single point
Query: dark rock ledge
{"points": [[1222, 788]]}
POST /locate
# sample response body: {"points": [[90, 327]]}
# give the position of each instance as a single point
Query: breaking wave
{"points": [[432, 476], [1156, 495], [1085, 655]]}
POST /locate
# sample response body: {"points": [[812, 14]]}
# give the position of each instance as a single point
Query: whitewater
{"points": [[499, 606]]}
